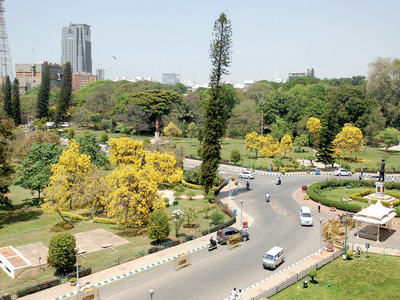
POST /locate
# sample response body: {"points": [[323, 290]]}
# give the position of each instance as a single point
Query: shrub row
{"points": [[82, 273], [168, 244], [6, 297], [212, 206], [104, 221], [195, 186], [74, 216], [38, 287]]}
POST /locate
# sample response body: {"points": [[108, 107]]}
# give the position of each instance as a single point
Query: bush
{"points": [[61, 252], [349, 254], [104, 221], [312, 273], [74, 216], [146, 141], [304, 188], [235, 156], [233, 178], [210, 198], [236, 182], [104, 137], [159, 226], [37, 287], [217, 218], [283, 170], [71, 134], [154, 249]]}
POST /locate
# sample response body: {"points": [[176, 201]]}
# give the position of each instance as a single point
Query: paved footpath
{"points": [[132, 267]]}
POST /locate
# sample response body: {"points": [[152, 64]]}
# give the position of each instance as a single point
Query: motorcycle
{"points": [[267, 199], [278, 181], [212, 245], [248, 186]]}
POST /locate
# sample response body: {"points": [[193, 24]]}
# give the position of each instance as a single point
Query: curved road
{"points": [[213, 274]]}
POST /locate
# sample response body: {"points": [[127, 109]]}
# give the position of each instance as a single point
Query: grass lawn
{"points": [[375, 278]]}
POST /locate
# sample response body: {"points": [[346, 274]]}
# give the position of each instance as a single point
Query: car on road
{"points": [[372, 177], [306, 216], [273, 257], [224, 233], [342, 172], [247, 174]]}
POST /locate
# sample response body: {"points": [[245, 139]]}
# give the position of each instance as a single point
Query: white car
{"points": [[247, 174], [306, 218], [342, 172], [372, 177]]}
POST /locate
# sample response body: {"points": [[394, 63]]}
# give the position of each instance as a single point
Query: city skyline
{"points": [[148, 39]]}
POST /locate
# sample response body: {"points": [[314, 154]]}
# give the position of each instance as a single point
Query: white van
{"points": [[306, 216], [274, 257]]}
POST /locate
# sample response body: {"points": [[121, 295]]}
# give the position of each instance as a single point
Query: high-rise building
{"points": [[30, 75], [81, 79], [170, 78], [76, 47], [101, 74]]}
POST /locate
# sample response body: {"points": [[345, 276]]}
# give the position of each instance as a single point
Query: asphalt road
{"points": [[212, 275]]}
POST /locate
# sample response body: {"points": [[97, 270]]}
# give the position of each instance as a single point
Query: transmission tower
{"points": [[5, 56]]}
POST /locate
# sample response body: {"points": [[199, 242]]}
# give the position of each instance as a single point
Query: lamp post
{"points": [[320, 234], [229, 182], [345, 233], [151, 292], [262, 116], [76, 249], [241, 214], [251, 159]]}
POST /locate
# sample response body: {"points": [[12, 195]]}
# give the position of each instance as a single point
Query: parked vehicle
{"points": [[224, 233], [342, 172], [306, 216], [273, 257], [372, 177], [247, 174]]}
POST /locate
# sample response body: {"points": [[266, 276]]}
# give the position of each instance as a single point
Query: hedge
{"points": [[104, 221], [82, 273], [38, 287], [74, 216], [195, 186]]}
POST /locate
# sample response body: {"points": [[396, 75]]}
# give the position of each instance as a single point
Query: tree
{"points": [[16, 103], [7, 97], [135, 117], [89, 146], [182, 88], [235, 156], [6, 169], [159, 226], [184, 111], [43, 95], [279, 128], [269, 146], [36, 169], [244, 119], [71, 134], [389, 136], [327, 135], [312, 273], [376, 124], [35, 137], [178, 217], [192, 131], [220, 55], [349, 140], [190, 215], [314, 126], [104, 137], [95, 119], [62, 255], [64, 99], [286, 144], [172, 131], [253, 142], [301, 141]]}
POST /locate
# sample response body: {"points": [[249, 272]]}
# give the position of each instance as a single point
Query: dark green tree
{"points": [[89, 145], [327, 135], [220, 55], [36, 169], [7, 96], [62, 255], [43, 96], [182, 88], [16, 103], [159, 226], [6, 169], [235, 156], [64, 98]]}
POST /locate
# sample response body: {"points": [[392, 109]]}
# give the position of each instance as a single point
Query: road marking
{"points": [[215, 267], [178, 283]]}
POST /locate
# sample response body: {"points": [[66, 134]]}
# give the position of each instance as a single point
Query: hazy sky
{"points": [[336, 38]]}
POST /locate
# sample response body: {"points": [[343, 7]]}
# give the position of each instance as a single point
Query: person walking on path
{"points": [[319, 207], [239, 295], [234, 294], [362, 173]]}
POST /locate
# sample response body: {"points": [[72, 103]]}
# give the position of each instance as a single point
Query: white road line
{"points": [[178, 283], [215, 267]]}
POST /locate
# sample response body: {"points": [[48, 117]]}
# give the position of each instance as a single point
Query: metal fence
{"points": [[300, 275]]}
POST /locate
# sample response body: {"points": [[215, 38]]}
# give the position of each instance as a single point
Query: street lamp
{"points": [[151, 292], [320, 234], [262, 116], [76, 249], [345, 233], [241, 214], [251, 157]]}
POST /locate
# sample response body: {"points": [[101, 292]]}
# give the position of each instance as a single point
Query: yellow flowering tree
{"points": [[126, 151], [348, 141], [269, 146], [286, 144], [314, 126], [172, 131], [65, 183], [253, 142]]}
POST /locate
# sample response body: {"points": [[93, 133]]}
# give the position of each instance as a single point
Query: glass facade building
{"points": [[76, 47], [171, 78]]}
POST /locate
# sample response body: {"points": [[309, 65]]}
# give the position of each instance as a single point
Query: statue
{"points": [[382, 171], [156, 125]]}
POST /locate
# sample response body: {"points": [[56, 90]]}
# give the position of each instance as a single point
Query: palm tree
{"points": [[184, 111]]}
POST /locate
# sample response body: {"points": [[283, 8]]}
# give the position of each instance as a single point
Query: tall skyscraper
{"points": [[170, 78], [76, 47]]}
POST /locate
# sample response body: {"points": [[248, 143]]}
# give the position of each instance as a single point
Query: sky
{"points": [[336, 38]]}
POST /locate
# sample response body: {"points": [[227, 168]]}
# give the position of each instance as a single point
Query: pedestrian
{"points": [[362, 173], [392, 178], [319, 207], [234, 294], [239, 295]]}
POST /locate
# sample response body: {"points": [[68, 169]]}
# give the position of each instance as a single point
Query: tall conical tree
{"points": [[327, 135], [64, 99], [16, 103], [7, 97], [43, 96], [220, 54]]}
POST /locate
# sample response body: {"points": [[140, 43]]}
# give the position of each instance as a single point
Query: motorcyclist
{"points": [[212, 242], [267, 196], [278, 180], [247, 185]]}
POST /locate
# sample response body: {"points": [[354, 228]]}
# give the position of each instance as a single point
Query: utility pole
{"points": [[5, 56]]}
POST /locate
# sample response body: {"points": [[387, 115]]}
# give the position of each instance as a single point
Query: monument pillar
{"points": [[157, 134]]}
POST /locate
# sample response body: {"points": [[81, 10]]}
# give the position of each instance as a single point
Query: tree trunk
{"points": [[65, 220]]}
